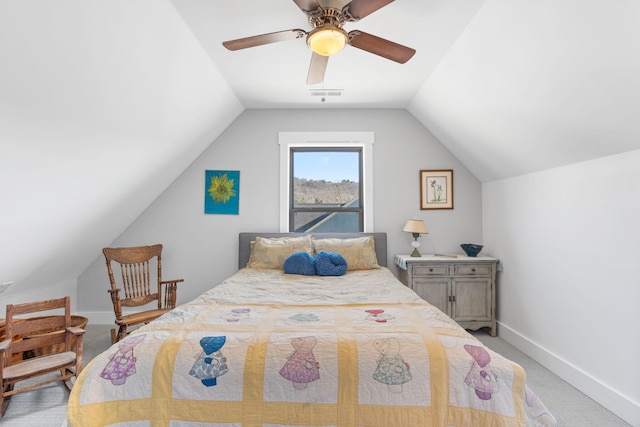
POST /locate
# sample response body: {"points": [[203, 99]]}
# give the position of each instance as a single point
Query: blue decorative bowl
{"points": [[470, 249]]}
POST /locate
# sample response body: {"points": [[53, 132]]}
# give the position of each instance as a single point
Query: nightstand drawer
{"points": [[430, 270], [472, 269]]}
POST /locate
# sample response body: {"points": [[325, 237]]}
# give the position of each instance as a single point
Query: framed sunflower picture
{"points": [[436, 189], [222, 192]]}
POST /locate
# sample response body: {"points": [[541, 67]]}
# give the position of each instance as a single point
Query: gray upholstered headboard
{"points": [[246, 238]]}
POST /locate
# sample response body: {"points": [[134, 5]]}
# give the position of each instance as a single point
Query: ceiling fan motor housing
{"points": [[324, 16]]}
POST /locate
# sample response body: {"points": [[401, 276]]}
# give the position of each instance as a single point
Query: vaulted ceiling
{"points": [[88, 88], [509, 87], [274, 75]]}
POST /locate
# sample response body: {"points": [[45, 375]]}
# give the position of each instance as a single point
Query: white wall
{"points": [[202, 249], [570, 290]]}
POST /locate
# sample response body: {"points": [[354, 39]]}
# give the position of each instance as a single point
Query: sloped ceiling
{"points": [[531, 85], [103, 103]]}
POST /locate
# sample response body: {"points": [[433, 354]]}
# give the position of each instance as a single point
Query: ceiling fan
{"points": [[327, 36]]}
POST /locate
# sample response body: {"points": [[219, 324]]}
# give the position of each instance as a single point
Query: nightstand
{"points": [[464, 288]]}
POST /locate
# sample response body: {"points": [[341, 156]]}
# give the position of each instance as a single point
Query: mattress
{"points": [[265, 348]]}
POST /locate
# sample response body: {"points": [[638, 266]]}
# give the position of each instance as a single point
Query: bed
{"points": [[272, 348]]}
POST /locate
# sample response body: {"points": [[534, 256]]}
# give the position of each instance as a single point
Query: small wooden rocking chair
{"points": [[61, 356]]}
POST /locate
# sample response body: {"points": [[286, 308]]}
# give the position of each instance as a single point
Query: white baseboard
{"points": [[596, 390]]}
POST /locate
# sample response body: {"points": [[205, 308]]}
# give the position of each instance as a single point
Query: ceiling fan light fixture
{"points": [[327, 41]]}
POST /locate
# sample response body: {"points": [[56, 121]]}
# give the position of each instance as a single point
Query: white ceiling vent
{"points": [[324, 93]]}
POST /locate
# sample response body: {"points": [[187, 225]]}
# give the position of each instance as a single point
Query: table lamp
{"points": [[416, 227]]}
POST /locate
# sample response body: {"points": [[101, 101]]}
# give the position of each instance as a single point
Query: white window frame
{"points": [[363, 140]]}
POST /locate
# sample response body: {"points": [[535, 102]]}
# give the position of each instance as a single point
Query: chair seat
{"points": [[141, 317], [39, 365]]}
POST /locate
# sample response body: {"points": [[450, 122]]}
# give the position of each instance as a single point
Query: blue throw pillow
{"points": [[330, 264], [300, 263]]}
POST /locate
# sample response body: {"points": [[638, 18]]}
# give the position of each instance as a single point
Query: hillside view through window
{"points": [[326, 190]]}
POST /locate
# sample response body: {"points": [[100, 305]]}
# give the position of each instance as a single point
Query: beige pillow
{"points": [[360, 252], [272, 252]]}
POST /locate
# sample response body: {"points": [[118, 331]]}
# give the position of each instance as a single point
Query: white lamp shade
{"points": [[415, 226]]}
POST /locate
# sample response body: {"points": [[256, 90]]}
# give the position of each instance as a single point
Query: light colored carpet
{"points": [[47, 406]]}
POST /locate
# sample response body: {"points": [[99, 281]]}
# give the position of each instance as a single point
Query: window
{"points": [[325, 189], [325, 181]]}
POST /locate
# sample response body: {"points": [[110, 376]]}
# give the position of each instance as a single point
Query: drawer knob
{"points": [[473, 269], [431, 269]]}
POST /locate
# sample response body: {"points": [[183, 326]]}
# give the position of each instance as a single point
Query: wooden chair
{"points": [[60, 357], [135, 284]]}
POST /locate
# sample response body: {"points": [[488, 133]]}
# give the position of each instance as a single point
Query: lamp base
{"points": [[415, 245]]}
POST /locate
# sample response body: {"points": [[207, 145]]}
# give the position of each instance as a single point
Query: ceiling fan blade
{"points": [[307, 5], [317, 68], [278, 36], [381, 47], [358, 9]]}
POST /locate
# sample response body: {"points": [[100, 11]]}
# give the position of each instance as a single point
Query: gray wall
{"points": [[202, 249]]}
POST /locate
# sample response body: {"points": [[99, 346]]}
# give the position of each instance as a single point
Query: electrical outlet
{"points": [[4, 286]]}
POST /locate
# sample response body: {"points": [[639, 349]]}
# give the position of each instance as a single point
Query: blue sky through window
{"points": [[333, 166]]}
